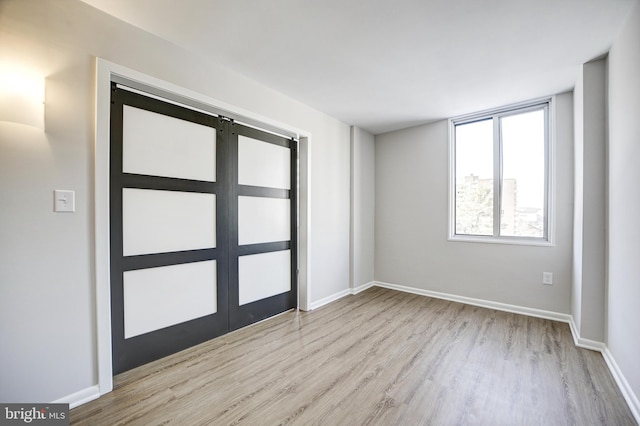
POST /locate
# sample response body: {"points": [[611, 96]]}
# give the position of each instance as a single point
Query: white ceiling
{"points": [[389, 64]]}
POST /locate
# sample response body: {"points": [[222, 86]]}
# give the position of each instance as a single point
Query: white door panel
{"points": [[263, 164], [155, 298], [263, 220], [166, 221], [264, 275], [159, 145]]}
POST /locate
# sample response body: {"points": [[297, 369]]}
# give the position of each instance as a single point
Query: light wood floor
{"points": [[382, 358]]}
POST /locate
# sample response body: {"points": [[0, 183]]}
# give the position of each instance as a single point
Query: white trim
{"points": [[101, 207], [363, 287], [326, 300], [105, 73], [532, 312], [584, 343], [451, 214], [551, 175], [574, 330], [522, 241], [80, 397], [341, 294], [623, 384]]}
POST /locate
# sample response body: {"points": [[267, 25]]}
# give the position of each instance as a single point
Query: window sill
{"points": [[540, 242]]}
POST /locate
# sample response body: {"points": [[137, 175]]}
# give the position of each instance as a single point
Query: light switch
{"points": [[64, 201]]}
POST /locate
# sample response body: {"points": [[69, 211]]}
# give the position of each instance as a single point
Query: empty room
{"points": [[320, 212]]}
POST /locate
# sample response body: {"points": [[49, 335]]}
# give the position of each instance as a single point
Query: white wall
{"points": [[589, 236], [47, 285], [362, 207], [412, 225], [623, 315]]}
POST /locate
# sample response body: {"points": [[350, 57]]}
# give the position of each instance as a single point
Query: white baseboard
{"points": [[329, 299], [80, 397], [623, 384], [584, 343], [340, 295], [363, 287], [532, 312]]}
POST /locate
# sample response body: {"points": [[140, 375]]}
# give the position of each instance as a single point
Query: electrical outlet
{"points": [[547, 278]]}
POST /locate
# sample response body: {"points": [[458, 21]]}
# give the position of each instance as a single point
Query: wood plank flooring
{"points": [[378, 358]]}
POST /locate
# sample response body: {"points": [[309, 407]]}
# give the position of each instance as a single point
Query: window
{"points": [[500, 175]]}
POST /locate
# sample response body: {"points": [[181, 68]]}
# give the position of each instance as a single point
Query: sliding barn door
{"points": [[263, 247], [203, 227]]}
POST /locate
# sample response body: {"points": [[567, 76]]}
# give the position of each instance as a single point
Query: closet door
{"points": [[169, 228], [263, 240], [203, 227]]}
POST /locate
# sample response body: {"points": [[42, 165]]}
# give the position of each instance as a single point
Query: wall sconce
{"points": [[21, 96]]}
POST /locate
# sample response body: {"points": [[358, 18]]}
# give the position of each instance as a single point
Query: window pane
{"points": [[523, 162], [474, 178]]}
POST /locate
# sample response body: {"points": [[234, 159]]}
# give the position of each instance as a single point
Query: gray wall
{"points": [[47, 286], [578, 188], [589, 236], [412, 225], [623, 315], [362, 207]]}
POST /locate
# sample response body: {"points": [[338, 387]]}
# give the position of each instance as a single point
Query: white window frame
{"points": [[548, 104]]}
